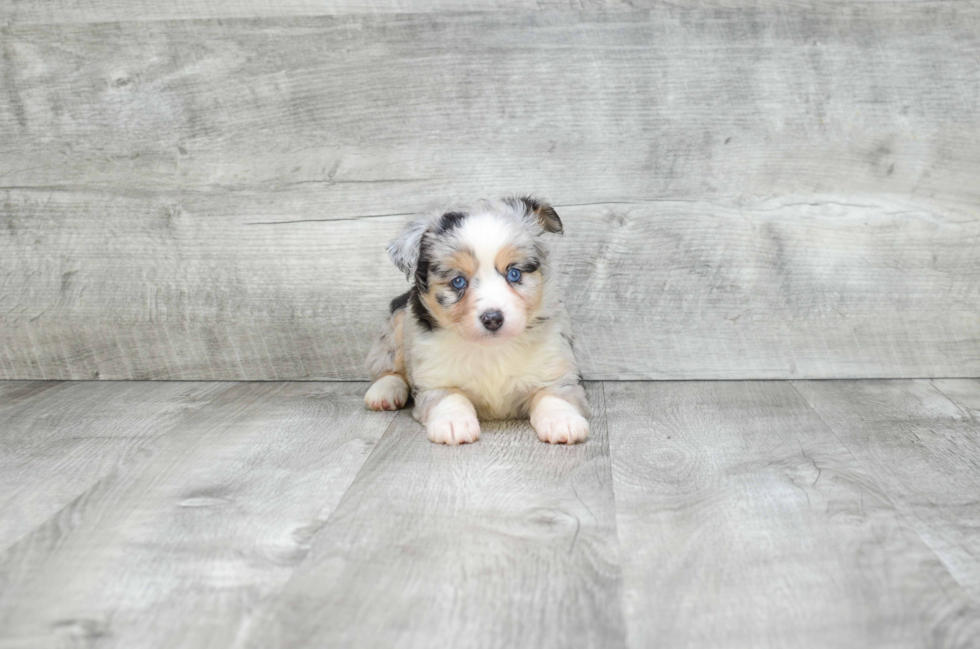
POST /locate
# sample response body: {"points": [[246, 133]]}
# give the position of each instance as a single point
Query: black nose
{"points": [[492, 320]]}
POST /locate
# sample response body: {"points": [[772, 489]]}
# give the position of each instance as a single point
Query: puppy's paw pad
{"points": [[562, 428], [387, 393], [454, 430]]}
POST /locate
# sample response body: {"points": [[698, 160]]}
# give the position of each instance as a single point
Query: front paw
{"points": [[561, 427], [453, 430], [390, 392]]}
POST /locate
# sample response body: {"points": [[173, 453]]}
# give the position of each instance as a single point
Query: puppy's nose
{"points": [[492, 320]]}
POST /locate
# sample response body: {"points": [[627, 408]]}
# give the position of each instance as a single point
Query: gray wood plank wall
{"points": [[749, 191]]}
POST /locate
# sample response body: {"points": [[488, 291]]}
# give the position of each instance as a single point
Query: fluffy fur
{"points": [[468, 340]]}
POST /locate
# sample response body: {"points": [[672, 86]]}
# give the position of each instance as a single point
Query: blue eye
{"points": [[459, 283], [513, 275]]}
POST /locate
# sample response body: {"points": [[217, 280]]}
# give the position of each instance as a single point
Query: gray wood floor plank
{"points": [[921, 442], [709, 514], [16, 394], [180, 549], [772, 288], [964, 392], [744, 522], [505, 543], [59, 443]]}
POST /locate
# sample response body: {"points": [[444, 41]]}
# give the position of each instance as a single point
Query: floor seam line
{"points": [[273, 599], [619, 541]]}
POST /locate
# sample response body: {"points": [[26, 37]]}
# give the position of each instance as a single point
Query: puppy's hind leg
{"points": [[386, 365]]}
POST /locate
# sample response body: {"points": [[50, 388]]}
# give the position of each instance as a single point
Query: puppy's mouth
{"points": [[491, 338]]}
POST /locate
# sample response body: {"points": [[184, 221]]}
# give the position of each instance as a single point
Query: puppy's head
{"points": [[479, 271]]}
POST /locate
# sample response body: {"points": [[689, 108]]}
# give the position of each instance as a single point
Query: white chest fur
{"points": [[498, 379]]}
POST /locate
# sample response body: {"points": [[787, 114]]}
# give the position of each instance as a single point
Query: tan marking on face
{"points": [[459, 311], [532, 299], [529, 296], [437, 310], [505, 257], [464, 262], [451, 317]]}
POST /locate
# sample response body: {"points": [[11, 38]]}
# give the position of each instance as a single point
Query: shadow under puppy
{"points": [[482, 331]]}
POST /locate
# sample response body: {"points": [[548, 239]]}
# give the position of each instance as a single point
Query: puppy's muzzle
{"points": [[492, 320]]}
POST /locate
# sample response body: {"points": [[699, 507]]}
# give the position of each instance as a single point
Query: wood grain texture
{"points": [[16, 394], [698, 515], [180, 549], [120, 289], [921, 442], [57, 444], [98, 11], [382, 113], [965, 393], [505, 543], [744, 522], [165, 186]]}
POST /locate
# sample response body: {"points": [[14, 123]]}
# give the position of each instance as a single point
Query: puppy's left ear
{"points": [[546, 215], [404, 249]]}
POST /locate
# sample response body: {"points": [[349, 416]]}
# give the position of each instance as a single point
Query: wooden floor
{"points": [[699, 514]]}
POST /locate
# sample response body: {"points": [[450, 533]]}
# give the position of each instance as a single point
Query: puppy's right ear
{"points": [[544, 213], [404, 250]]}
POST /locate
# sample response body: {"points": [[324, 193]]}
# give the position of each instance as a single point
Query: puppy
{"points": [[481, 332]]}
